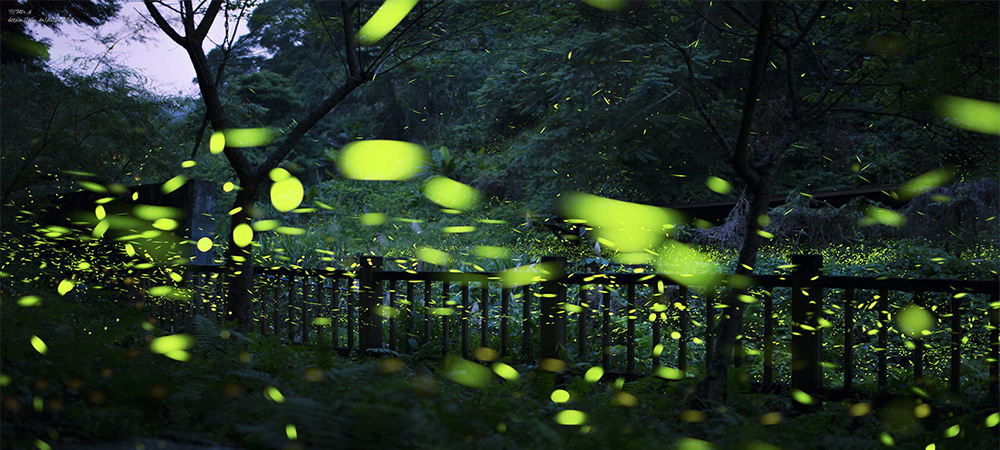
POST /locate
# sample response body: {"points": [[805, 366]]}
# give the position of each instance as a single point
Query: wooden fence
{"points": [[371, 308]]}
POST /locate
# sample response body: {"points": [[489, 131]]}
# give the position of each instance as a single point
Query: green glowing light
{"points": [[687, 443], [247, 137], [65, 286], [609, 5], [242, 235], [286, 193], [915, 321], [594, 374], [204, 244], [273, 394], [687, 266], [924, 183], [39, 345], [571, 417], [468, 373], [381, 160], [487, 251], [217, 143], [505, 371], [718, 185], [372, 219], [384, 20], [974, 115], [621, 226], [450, 193], [530, 274], [875, 215], [29, 300], [173, 346], [433, 256], [173, 184]]}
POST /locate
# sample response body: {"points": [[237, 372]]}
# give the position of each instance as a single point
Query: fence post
{"points": [[807, 300], [994, 312], [553, 310], [369, 321]]}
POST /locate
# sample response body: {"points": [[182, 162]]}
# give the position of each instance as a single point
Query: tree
{"points": [[16, 42], [804, 70], [361, 65], [55, 124]]}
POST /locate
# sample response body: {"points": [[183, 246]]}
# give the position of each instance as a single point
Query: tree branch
{"points": [[308, 122], [206, 22], [162, 23]]}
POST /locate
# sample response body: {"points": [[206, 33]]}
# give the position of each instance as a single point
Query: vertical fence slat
{"points": [[392, 315], [465, 319], [552, 312], [275, 317], [335, 311], [369, 303], [606, 327], [291, 308], [631, 312], [685, 318], [807, 337], [427, 311], [350, 314], [581, 324], [525, 318], [656, 295], [410, 311], [883, 336], [769, 336], [504, 321], [709, 325], [848, 338], [484, 314], [445, 335], [917, 357], [323, 307], [220, 294], [196, 295], [956, 345], [994, 312], [306, 303]]}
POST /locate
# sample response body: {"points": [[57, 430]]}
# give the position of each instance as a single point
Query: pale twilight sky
{"points": [[160, 60]]}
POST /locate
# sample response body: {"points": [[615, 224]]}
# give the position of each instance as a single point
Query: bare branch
{"points": [[322, 21], [304, 125], [206, 22], [162, 23], [812, 21]]}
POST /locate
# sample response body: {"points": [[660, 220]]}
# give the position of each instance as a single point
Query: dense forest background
{"points": [[526, 104]]}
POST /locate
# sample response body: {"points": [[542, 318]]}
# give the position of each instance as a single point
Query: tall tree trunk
{"points": [[239, 260], [760, 183], [713, 387]]}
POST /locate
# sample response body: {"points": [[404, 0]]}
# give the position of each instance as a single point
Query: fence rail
{"points": [[402, 310]]}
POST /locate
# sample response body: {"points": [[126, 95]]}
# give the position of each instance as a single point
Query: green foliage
{"points": [[104, 124]]}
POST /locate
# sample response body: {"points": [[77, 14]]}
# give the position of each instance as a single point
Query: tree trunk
{"points": [[713, 387], [760, 183], [239, 260]]}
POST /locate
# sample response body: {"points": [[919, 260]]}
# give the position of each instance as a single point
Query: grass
{"points": [[100, 379]]}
